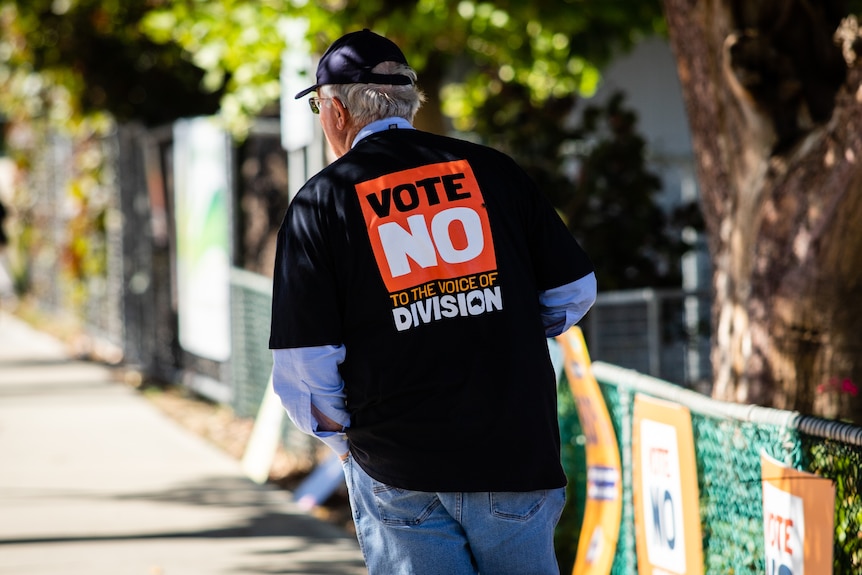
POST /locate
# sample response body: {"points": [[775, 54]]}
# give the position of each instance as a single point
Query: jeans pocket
{"points": [[401, 507], [517, 506]]}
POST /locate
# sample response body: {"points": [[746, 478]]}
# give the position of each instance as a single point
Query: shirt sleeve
{"points": [[306, 376], [306, 307], [556, 256], [564, 306]]}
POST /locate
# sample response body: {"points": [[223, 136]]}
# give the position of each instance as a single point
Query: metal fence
{"points": [[73, 246], [129, 299], [146, 283], [662, 333], [251, 360], [729, 439]]}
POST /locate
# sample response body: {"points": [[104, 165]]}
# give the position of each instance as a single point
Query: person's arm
{"points": [[564, 306], [312, 391]]}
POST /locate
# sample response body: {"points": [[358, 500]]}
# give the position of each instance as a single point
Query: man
{"points": [[7, 289], [4, 239], [416, 280]]}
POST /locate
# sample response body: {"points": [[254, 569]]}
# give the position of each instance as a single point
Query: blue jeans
{"points": [[405, 532]]}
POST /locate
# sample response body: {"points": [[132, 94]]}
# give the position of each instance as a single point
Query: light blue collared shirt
{"points": [[381, 125]]}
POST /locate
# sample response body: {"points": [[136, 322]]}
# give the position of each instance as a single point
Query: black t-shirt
{"points": [[424, 256], [4, 239]]}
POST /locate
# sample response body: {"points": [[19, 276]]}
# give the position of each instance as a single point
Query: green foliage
{"points": [[155, 60], [236, 44], [595, 173], [573, 457], [842, 463], [76, 59], [74, 68], [612, 207], [552, 48]]}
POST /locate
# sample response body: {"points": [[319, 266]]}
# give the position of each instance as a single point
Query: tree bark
{"points": [[775, 108]]}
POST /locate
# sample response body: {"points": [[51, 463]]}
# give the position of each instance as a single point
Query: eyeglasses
{"points": [[314, 103]]}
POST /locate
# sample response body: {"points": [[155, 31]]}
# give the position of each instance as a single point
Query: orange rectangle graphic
{"points": [[427, 223]]}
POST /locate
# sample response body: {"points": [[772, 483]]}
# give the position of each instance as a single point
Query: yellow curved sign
{"points": [[601, 525]]}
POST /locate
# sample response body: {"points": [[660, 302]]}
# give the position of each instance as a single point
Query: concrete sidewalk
{"points": [[94, 480]]}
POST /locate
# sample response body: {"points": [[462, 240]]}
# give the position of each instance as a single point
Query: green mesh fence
{"points": [[729, 439], [251, 360], [835, 451]]}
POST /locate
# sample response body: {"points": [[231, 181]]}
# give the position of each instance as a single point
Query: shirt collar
{"points": [[381, 125]]}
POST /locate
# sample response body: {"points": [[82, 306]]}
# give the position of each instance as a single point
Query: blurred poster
{"points": [[601, 524], [201, 200], [666, 496], [297, 74], [798, 520]]}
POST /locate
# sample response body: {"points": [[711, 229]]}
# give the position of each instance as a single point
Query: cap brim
{"points": [[306, 91]]}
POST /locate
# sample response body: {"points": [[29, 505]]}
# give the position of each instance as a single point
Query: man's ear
{"points": [[341, 113]]}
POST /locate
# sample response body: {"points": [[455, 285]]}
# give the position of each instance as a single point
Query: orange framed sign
{"points": [[666, 496], [601, 524], [798, 519]]}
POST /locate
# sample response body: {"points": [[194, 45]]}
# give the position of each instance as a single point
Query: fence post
{"points": [[654, 329]]}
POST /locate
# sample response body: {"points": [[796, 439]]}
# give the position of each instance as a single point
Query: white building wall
{"points": [[648, 78]]}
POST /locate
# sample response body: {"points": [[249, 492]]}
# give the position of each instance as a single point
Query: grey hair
{"points": [[369, 102]]}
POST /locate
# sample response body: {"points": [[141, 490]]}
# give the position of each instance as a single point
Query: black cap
{"points": [[350, 59]]}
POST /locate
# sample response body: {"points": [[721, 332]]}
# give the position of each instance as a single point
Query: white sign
{"points": [[202, 200], [297, 121], [783, 531], [798, 519], [662, 496], [667, 502]]}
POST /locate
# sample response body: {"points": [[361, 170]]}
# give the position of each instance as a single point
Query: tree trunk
{"points": [[775, 108]]}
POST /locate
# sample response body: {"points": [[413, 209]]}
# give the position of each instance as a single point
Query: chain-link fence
{"points": [[662, 333], [251, 360], [72, 231], [729, 440]]}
